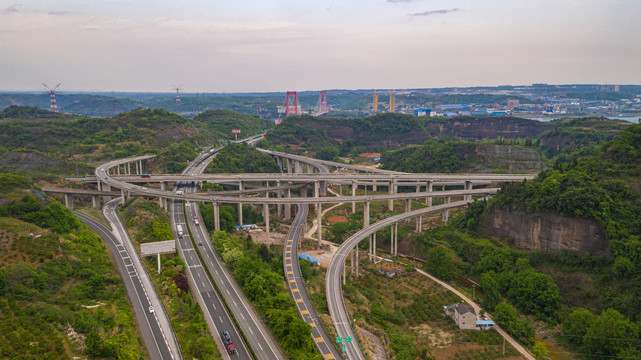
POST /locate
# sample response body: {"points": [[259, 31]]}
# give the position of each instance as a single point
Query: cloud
{"points": [[58, 13], [434, 12], [11, 9], [400, 1]]}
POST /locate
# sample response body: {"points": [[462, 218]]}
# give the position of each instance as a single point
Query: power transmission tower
{"points": [[53, 107], [178, 88]]}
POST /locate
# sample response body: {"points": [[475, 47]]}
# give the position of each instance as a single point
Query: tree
{"points": [[491, 290], [438, 263], [577, 324], [181, 282], [539, 351], [611, 334]]}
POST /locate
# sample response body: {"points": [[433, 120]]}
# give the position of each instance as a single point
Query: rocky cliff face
{"points": [[546, 231], [510, 158]]}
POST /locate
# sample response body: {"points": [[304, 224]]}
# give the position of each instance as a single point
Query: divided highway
{"points": [[258, 336], [142, 296]]}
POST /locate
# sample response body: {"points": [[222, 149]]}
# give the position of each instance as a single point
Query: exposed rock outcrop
{"points": [[548, 232]]}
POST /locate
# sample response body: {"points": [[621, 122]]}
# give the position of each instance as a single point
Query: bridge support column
{"points": [[354, 187], [316, 188], [356, 264], [288, 207], [391, 240], [279, 161], [408, 205], [99, 185], [241, 187], [117, 169], [303, 191], [123, 196], [279, 194], [95, 200], [310, 169], [428, 188], [140, 162], [298, 167], [106, 187], [468, 186], [128, 168], [365, 214], [319, 220], [69, 201], [344, 274], [136, 163], [161, 199], [446, 212], [289, 165], [396, 239], [374, 248], [351, 262], [374, 187], [216, 216], [266, 216], [390, 202], [419, 223], [323, 188]]}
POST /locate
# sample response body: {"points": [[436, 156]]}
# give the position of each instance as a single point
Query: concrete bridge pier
{"points": [[140, 165], [298, 167], [279, 194], [390, 202], [216, 216], [95, 201], [288, 207], [468, 186], [310, 169], [161, 200], [319, 220], [374, 186], [419, 223], [374, 247], [241, 187], [316, 188], [354, 187], [288, 162], [106, 187], [408, 205], [69, 201], [266, 217], [428, 188], [123, 197], [396, 239], [128, 168], [446, 212]]}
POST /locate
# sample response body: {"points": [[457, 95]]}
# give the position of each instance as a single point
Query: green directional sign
{"points": [[348, 339], [343, 347], [339, 340]]}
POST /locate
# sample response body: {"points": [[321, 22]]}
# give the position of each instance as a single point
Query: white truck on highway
{"points": [[179, 228]]}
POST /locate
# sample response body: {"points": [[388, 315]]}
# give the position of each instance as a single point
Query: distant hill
{"points": [[89, 140], [389, 131]]}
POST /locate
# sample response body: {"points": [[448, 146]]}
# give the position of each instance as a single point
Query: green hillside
{"points": [[55, 272]]}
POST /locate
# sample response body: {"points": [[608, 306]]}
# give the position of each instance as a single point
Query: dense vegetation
{"points": [[224, 121], [229, 216], [49, 282], [241, 158], [147, 222], [258, 269], [141, 131]]}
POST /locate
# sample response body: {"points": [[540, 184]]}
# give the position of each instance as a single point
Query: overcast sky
{"points": [[279, 45]]}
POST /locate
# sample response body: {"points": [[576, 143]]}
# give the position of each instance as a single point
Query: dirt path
{"points": [[477, 308], [308, 234]]}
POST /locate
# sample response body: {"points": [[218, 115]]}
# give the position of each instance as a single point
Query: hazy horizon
{"points": [[275, 46]]}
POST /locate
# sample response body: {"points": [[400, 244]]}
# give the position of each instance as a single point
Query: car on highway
{"points": [[229, 345], [151, 309], [196, 220], [145, 176]]}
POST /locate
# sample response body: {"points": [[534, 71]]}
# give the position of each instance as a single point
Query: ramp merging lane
{"points": [[334, 292], [140, 294]]}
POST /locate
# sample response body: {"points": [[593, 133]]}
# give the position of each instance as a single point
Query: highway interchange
{"points": [[218, 318]]}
